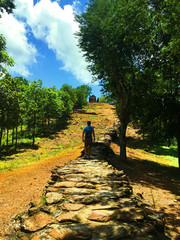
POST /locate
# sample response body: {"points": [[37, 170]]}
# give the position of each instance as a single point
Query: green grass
{"points": [[170, 153]]}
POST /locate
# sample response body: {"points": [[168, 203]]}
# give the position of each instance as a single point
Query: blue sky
{"points": [[40, 38]]}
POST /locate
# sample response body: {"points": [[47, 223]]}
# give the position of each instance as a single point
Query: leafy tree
{"points": [[65, 98], [71, 91], [5, 59], [34, 104], [159, 110], [103, 99], [10, 109], [115, 37], [82, 93], [7, 5]]}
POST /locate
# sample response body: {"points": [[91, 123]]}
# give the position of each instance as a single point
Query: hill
{"points": [[156, 183]]}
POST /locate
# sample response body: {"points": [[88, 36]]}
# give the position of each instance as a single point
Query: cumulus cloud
{"points": [[23, 52], [55, 26]]}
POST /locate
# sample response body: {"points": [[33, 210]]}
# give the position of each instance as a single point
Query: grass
{"points": [[69, 139]]}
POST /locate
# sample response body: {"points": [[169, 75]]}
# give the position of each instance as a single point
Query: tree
{"points": [[10, 109], [71, 91], [82, 93], [159, 111], [5, 59], [34, 104], [7, 5], [115, 37]]}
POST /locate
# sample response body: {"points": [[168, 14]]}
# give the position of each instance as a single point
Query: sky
{"points": [[40, 38]]}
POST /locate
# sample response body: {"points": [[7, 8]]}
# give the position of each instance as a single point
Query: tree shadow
{"points": [[138, 143], [42, 132], [146, 172], [151, 174], [21, 147], [81, 111]]}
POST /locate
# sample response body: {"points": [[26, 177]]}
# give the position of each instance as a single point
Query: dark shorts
{"points": [[88, 142]]}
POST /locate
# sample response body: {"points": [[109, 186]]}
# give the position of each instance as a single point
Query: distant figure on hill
{"points": [[88, 136]]}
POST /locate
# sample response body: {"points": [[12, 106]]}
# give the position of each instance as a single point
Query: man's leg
{"points": [[89, 151], [85, 149], [89, 148]]}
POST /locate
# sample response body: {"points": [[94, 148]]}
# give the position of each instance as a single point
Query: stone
{"points": [[126, 202], [72, 207], [51, 189], [105, 207], [54, 197], [65, 184], [77, 191], [72, 232], [108, 194], [36, 237], [68, 217], [37, 222], [100, 216], [33, 210], [129, 214], [85, 185]]}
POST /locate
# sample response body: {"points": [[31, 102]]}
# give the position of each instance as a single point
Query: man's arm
{"points": [[93, 136], [83, 136]]}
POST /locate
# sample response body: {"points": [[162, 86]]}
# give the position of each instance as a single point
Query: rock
{"points": [[73, 232], [72, 207], [65, 184], [54, 197], [129, 214], [37, 222], [100, 216], [68, 217]]}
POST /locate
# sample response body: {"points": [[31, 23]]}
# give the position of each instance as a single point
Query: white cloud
{"points": [[50, 23], [56, 26], [23, 53]]}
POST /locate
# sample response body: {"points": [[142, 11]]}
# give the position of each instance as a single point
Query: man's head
{"points": [[89, 123]]}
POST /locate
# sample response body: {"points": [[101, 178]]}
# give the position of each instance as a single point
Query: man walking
{"points": [[87, 138]]}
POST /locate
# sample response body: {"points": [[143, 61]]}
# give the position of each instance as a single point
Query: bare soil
{"points": [[157, 184]]}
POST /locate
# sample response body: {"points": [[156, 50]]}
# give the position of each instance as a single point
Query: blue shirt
{"points": [[90, 129]]}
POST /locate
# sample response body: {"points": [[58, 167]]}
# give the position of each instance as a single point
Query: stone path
{"points": [[88, 199]]}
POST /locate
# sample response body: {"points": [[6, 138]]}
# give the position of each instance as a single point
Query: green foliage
{"points": [[29, 110], [133, 50], [103, 99], [5, 59], [43, 199], [7, 5], [82, 92]]}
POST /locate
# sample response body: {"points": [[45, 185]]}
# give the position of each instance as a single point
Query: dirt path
{"points": [[25, 185]]}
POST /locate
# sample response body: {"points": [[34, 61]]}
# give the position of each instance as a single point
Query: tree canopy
{"points": [[133, 52]]}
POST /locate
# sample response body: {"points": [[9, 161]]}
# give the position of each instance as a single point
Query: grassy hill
{"points": [[102, 116]]}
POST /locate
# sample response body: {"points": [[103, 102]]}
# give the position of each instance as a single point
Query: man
{"points": [[88, 131]]}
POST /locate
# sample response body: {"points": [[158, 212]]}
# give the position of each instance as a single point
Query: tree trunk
{"points": [[178, 141], [34, 126], [7, 140], [16, 138], [123, 128], [1, 132], [13, 137]]}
